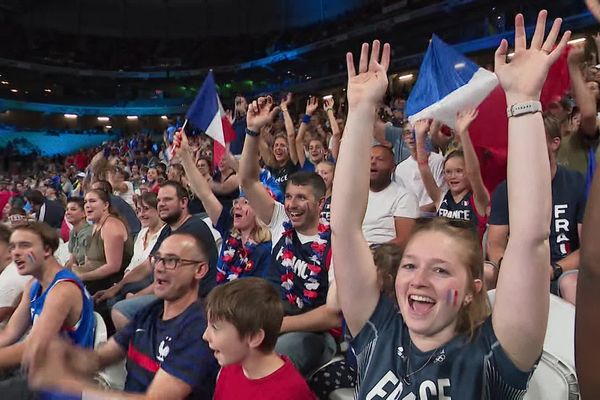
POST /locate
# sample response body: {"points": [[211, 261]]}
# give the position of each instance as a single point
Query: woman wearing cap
{"points": [[246, 247]]}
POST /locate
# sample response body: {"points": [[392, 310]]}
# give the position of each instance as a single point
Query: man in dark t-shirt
{"points": [[568, 206], [166, 357]]}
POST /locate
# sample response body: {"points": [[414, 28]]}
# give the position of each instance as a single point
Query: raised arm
{"points": [[335, 128], [311, 106], [289, 128], [198, 183], [355, 272], [584, 98], [433, 190], [524, 279], [472, 170], [260, 112], [587, 323]]}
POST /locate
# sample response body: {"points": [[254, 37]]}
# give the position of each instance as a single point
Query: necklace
{"points": [[315, 263], [236, 258], [408, 374]]}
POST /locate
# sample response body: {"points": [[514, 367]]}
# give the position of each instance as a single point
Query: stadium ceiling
{"points": [[171, 19]]}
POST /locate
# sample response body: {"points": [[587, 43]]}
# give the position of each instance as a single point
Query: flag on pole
{"points": [[207, 114], [448, 82]]}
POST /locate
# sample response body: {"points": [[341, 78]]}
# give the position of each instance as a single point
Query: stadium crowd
{"points": [[217, 281]]}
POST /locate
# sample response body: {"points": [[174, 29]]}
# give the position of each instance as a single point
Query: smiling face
{"points": [[147, 215], [280, 150], [244, 217], [152, 174], [431, 284], [224, 340], [454, 174], [301, 206], [316, 151], [170, 207], [203, 167], [326, 171], [95, 208]]}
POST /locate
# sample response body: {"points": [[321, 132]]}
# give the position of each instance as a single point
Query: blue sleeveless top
{"points": [[82, 334]]}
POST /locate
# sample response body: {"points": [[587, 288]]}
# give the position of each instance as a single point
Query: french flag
{"points": [[449, 82], [207, 114]]}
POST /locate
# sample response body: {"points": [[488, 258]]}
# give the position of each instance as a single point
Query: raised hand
{"points": [[311, 105], [369, 85], [422, 127], [594, 7], [522, 79], [286, 101], [260, 113], [180, 142], [576, 54], [464, 120], [328, 103]]}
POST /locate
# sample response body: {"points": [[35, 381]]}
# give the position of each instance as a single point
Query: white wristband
{"points": [[527, 107]]}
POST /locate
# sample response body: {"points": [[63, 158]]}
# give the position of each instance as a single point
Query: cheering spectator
{"points": [[119, 180], [391, 210], [110, 246], [11, 282], [121, 207], [238, 120], [444, 310], [316, 147], [165, 357], [246, 245], [54, 302], [299, 240], [244, 318]]}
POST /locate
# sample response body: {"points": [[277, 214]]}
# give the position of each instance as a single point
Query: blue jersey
{"points": [[259, 258], [82, 333], [173, 345]]}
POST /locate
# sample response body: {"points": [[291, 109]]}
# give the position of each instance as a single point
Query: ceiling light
{"points": [[48, 90], [103, 119], [132, 117], [108, 126], [4, 82], [71, 116], [14, 90]]}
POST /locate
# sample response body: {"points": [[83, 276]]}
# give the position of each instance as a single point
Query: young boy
{"points": [[244, 319]]}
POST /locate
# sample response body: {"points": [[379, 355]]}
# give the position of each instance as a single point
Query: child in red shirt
{"points": [[244, 319]]}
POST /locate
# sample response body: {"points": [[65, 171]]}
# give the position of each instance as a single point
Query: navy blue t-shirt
{"points": [[197, 227], [260, 257], [460, 369], [568, 206], [282, 174], [175, 346]]}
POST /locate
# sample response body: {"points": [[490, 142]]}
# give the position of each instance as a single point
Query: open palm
{"points": [[260, 113], [526, 73], [370, 84]]}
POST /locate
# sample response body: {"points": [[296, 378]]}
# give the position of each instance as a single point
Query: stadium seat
{"points": [[554, 377], [112, 377]]}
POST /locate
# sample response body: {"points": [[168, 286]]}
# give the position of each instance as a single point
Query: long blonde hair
{"points": [[260, 233]]}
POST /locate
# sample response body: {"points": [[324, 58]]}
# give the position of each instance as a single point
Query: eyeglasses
{"points": [[171, 262]]}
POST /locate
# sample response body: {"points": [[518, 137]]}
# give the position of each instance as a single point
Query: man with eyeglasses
{"points": [[166, 357]]}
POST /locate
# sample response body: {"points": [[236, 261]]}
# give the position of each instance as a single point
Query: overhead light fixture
{"points": [[108, 126], [575, 41], [48, 90], [406, 77], [4, 82], [163, 117], [14, 90], [71, 116], [103, 119], [132, 117]]}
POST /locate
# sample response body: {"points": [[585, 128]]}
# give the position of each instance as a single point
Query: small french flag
{"points": [[207, 114], [448, 83]]}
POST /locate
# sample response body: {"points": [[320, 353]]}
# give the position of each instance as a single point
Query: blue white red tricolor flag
{"points": [[449, 82], [207, 114]]}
